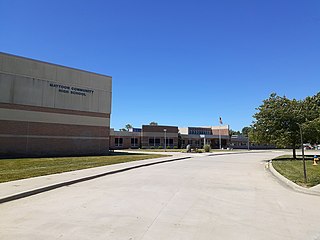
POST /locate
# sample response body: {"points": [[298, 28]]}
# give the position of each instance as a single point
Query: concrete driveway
{"points": [[217, 197]]}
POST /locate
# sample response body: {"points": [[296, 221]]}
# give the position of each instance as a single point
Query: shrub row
{"points": [[160, 147]]}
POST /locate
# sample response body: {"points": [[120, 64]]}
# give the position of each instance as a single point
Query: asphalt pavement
{"points": [[202, 197]]}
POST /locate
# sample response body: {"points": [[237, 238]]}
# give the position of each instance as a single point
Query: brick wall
{"points": [[20, 138]]}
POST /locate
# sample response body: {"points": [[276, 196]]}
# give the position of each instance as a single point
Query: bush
{"points": [[175, 147], [160, 147], [168, 147], [152, 147], [199, 151], [207, 148]]}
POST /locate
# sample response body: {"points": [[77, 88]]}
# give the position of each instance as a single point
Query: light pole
{"points": [[219, 138], [303, 160], [165, 139], [220, 121]]}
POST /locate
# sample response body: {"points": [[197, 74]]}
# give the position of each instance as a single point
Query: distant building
{"points": [[241, 142], [146, 137], [124, 139], [150, 136], [198, 136], [135, 130], [156, 136]]}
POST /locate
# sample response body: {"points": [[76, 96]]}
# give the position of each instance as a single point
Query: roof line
{"points": [[54, 64]]}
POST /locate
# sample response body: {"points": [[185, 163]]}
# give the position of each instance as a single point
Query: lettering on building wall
{"points": [[71, 90]]}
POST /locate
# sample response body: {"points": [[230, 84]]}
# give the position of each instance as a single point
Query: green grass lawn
{"points": [[14, 169], [293, 169]]}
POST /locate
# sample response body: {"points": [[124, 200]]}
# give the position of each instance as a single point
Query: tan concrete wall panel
{"points": [[65, 73], [104, 101], [47, 71], [52, 110], [6, 87], [27, 90], [36, 92], [31, 85]]}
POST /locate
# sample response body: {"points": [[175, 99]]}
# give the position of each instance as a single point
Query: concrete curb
{"points": [[233, 153], [291, 184], [35, 191], [63, 183]]}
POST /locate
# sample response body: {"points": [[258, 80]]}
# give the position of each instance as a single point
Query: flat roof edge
{"points": [[54, 64]]}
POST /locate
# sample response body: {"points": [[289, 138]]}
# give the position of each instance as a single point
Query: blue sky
{"points": [[182, 63]]}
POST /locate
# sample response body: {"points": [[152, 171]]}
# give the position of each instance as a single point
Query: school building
{"points": [[52, 110], [150, 136], [215, 136]]}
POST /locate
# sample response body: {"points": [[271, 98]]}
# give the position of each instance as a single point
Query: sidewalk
{"points": [[26, 187]]}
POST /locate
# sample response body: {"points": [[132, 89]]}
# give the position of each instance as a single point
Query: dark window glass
{"points": [[134, 141], [118, 141]]}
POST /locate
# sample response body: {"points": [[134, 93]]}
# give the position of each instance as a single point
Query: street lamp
{"points": [[165, 139], [303, 160], [219, 138]]}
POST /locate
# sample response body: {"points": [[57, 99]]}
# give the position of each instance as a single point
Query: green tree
{"points": [[245, 131], [128, 126], [312, 131], [153, 124], [312, 125], [277, 122], [233, 132]]}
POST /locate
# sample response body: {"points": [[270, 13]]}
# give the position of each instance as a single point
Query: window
{"points": [[134, 142], [154, 141], [118, 142]]}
